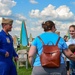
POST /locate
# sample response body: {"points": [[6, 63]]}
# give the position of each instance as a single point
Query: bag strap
{"points": [[42, 43], [41, 40], [57, 41]]}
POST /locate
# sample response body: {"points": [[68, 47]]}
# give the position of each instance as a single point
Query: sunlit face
{"points": [[72, 31], [8, 27]]}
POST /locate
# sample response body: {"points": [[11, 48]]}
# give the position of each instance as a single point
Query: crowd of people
{"points": [[70, 42], [66, 46]]}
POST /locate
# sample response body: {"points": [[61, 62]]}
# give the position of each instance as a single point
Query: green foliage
{"points": [[23, 71], [22, 47]]}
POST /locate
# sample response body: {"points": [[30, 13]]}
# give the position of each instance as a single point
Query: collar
{"points": [[3, 32]]}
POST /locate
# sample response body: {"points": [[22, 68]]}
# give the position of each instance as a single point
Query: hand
{"points": [[6, 54], [15, 59]]}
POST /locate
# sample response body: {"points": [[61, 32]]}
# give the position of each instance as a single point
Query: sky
{"points": [[35, 12]]}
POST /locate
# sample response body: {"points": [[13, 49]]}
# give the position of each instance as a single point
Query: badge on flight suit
{"points": [[8, 40]]}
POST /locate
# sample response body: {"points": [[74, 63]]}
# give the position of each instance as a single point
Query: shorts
{"points": [[39, 70]]}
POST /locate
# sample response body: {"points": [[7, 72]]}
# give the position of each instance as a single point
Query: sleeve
{"points": [[2, 51], [34, 42], [62, 44], [14, 53]]}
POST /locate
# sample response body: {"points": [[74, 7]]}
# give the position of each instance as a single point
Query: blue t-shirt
{"points": [[48, 37]]}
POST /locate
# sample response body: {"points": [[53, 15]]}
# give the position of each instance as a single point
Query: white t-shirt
{"points": [[70, 41]]}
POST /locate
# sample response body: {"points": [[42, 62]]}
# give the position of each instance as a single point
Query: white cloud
{"points": [[18, 22], [20, 17], [35, 13], [5, 7], [61, 13], [33, 1], [64, 12], [49, 11], [17, 29], [37, 28], [5, 10]]}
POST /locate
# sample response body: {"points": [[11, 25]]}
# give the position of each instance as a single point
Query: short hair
{"points": [[72, 47], [48, 25], [72, 26], [65, 36]]}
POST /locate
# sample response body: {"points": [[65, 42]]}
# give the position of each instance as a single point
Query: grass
{"points": [[24, 71]]}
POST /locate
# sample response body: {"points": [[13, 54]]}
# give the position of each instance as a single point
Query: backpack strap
{"points": [[57, 41], [41, 40]]}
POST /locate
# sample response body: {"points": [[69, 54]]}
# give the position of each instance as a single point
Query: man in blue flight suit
{"points": [[7, 51]]}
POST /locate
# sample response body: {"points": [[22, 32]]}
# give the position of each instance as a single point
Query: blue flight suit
{"points": [[7, 66]]}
